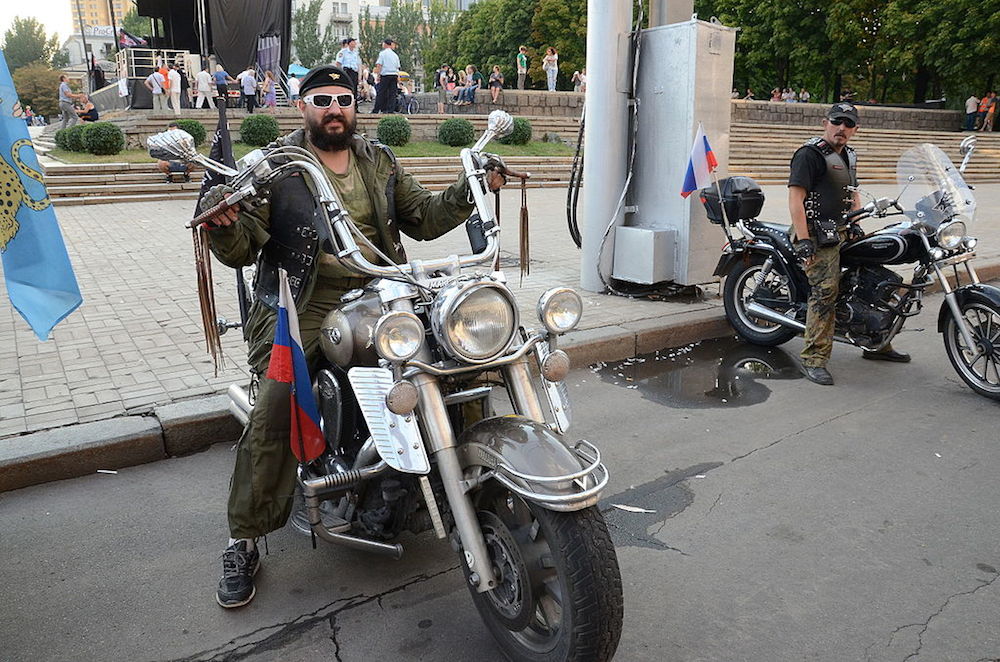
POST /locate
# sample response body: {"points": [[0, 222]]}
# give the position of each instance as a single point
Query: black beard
{"points": [[331, 142]]}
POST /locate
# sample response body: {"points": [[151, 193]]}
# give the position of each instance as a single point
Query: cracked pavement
{"points": [[836, 524]]}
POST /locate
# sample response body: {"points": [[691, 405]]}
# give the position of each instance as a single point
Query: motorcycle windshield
{"points": [[933, 188]]}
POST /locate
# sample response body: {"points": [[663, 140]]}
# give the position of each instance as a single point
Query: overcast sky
{"points": [[53, 14]]}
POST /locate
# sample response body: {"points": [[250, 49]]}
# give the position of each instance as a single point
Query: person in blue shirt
{"points": [[349, 59], [222, 80], [387, 77]]}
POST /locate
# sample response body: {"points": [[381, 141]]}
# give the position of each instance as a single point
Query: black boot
{"points": [[818, 375]]}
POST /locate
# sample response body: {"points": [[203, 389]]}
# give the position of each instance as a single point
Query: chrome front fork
{"points": [[442, 445], [956, 312]]}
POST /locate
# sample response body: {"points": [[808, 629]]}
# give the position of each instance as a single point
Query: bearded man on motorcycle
{"points": [[821, 189], [383, 200]]}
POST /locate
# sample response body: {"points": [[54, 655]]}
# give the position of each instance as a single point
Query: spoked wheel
{"points": [[559, 591], [979, 365], [740, 285]]}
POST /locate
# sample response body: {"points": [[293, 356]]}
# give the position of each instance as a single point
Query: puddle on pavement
{"points": [[724, 372]]}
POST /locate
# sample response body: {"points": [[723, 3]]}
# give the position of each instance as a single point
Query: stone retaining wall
{"points": [[874, 117], [517, 102]]}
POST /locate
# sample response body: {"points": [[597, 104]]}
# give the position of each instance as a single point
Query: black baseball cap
{"points": [[325, 75], [843, 110], [388, 40]]}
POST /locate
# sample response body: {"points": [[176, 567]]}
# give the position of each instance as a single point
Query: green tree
{"points": [[25, 42], [563, 25], [404, 24], [312, 47], [487, 34], [37, 86], [60, 59], [135, 24]]}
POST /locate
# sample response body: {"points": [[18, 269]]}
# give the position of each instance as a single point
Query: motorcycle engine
{"points": [[863, 311]]}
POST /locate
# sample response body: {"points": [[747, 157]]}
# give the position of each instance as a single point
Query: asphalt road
{"points": [[792, 522]]}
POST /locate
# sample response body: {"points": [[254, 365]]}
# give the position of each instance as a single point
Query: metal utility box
{"points": [[685, 77], [644, 256]]}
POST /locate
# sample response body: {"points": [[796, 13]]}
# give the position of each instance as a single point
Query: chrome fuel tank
{"points": [[894, 245]]}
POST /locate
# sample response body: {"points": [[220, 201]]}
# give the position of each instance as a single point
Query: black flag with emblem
{"points": [[221, 151]]}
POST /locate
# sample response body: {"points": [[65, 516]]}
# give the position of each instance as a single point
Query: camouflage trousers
{"points": [[824, 280], [264, 478]]}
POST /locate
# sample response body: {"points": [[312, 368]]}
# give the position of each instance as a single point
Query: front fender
{"points": [[530, 459], [976, 292]]}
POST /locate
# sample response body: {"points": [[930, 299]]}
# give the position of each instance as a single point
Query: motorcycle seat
{"points": [[777, 227]]}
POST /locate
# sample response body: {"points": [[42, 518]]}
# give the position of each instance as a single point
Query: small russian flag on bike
{"points": [[36, 267], [288, 364], [700, 165]]}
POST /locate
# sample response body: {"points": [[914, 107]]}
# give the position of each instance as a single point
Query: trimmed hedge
{"points": [[521, 134], [259, 130], [61, 137], [195, 128], [74, 138], [103, 138], [394, 130], [456, 132]]}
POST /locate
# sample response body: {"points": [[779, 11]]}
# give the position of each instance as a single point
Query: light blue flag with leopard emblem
{"points": [[36, 268]]}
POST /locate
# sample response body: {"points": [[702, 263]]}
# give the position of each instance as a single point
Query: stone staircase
{"points": [[763, 152], [758, 151], [76, 184]]}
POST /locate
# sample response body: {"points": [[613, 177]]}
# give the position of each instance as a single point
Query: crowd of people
{"points": [[786, 95], [979, 112]]}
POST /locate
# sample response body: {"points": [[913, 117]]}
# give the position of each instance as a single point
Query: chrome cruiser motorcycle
{"points": [[766, 289], [412, 444]]}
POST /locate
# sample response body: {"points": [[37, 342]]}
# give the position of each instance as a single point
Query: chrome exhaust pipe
{"points": [[765, 313], [239, 403]]}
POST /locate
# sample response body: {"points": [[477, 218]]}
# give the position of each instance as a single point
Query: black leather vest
{"points": [[295, 238], [832, 199]]}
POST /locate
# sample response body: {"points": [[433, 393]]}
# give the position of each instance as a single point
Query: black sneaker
{"points": [[238, 568]]}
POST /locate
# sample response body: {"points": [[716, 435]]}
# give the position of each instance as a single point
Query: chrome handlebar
{"points": [[258, 175]]}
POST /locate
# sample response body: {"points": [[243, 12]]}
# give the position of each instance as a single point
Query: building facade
{"points": [[98, 12]]}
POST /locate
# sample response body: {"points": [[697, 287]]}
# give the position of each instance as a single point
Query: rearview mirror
{"points": [[500, 123], [172, 144], [967, 145]]}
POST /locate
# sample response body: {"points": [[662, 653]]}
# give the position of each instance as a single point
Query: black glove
{"points": [[855, 232], [804, 248]]}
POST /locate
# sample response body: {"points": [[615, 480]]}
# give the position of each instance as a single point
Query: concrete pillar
{"points": [[664, 12], [605, 134]]}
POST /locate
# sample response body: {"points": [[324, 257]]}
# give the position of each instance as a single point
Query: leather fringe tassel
{"points": [[525, 252], [206, 294]]}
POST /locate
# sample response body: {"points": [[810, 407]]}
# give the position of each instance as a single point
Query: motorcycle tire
{"points": [[559, 593], [739, 284], [982, 374]]}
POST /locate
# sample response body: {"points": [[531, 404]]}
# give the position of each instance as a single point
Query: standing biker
{"points": [[382, 200], [821, 189]]}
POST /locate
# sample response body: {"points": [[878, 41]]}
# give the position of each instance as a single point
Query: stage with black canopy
{"points": [[238, 32]]}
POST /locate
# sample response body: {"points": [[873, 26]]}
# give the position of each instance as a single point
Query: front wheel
{"points": [[741, 284], [978, 366], [559, 591]]}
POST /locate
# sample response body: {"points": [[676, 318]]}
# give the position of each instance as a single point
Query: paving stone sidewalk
{"points": [[136, 342]]}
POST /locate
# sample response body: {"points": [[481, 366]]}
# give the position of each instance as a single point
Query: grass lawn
{"points": [[534, 148]]}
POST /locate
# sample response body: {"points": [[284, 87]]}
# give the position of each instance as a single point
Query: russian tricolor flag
{"points": [[288, 364], [700, 165]]}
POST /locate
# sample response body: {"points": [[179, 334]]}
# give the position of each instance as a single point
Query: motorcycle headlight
{"points": [[560, 309], [398, 336], [474, 320], [950, 235]]}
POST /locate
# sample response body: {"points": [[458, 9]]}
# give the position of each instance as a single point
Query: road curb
{"points": [[190, 426]]}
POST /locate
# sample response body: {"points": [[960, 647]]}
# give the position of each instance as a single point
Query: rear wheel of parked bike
{"points": [[559, 591], [979, 365], [740, 284]]}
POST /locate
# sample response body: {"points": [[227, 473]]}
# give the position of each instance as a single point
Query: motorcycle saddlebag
{"points": [[742, 196]]}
